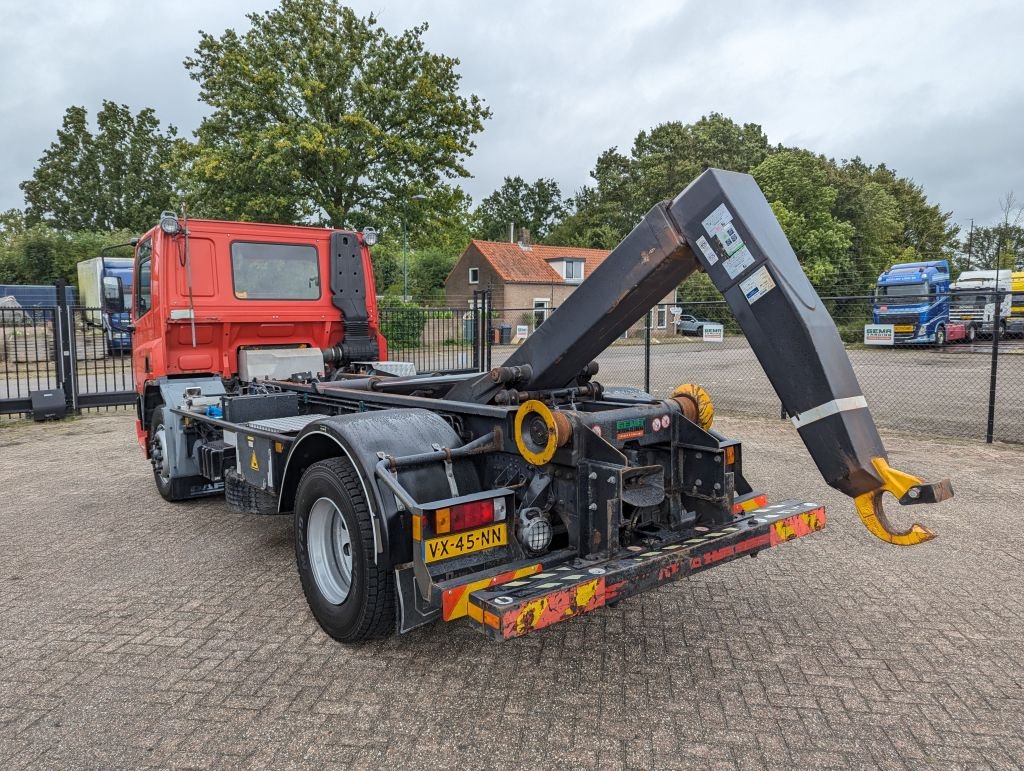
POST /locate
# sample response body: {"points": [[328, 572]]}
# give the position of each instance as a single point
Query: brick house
{"points": [[527, 281]]}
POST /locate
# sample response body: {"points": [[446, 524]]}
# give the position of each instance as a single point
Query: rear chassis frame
{"points": [[640, 504]]}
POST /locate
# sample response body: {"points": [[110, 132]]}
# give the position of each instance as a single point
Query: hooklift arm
{"points": [[722, 224]]}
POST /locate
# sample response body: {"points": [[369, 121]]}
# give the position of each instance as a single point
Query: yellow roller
{"points": [[531, 447]]}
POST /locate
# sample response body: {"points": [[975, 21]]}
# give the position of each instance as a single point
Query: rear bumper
{"points": [[518, 607]]}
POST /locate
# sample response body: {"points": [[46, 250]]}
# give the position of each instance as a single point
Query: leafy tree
{"points": [[537, 206], [662, 162], [867, 205], [669, 156], [39, 254], [428, 272], [796, 184], [320, 114], [119, 177], [997, 246]]}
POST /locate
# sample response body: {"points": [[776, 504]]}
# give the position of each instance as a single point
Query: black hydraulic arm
{"points": [[640, 271], [722, 224]]}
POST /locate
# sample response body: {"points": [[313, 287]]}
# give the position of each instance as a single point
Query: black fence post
{"points": [[996, 318], [489, 336], [63, 344], [647, 352], [475, 311]]}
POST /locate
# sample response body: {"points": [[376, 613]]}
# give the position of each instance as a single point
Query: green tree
{"points": [[320, 114], [796, 184], [537, 206], [120, 177], [39, 254], [428, 271], [999, 246], [872, 210], [663, 161]]}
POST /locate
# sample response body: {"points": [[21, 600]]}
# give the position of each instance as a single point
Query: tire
{"points": [[972, 333], [940, 337], [169, 489], [699, 332], [244, 497], [330, 507]]}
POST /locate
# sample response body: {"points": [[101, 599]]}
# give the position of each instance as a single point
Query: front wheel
{"points": [[351, 597], [159, 456], [940, 337]]}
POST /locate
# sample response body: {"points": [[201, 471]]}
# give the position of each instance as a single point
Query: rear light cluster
{"points": [[465, 516]]}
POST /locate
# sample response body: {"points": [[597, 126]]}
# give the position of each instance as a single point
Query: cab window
{"points": [[143, 274], [261, 271]]}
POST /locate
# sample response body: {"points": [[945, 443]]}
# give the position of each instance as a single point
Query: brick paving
{"points": [[139, 633]]}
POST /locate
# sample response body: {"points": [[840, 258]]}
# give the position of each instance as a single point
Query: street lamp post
{"points": [[405, 245]]}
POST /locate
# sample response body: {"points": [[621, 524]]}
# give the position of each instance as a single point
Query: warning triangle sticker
{"points": [[254, 464]]}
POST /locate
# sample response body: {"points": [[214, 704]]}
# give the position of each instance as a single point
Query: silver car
{"points": [[690, 325]]}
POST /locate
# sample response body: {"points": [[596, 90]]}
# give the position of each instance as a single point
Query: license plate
{"points": [[455, 545], [903, 328]]}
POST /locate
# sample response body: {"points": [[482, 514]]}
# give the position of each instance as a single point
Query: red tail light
{"points": [[465, 516]]}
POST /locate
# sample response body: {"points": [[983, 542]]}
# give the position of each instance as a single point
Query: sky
{"points": [[932, 89]]}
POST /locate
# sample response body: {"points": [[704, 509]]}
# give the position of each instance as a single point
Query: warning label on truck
{"points": [[757, 285], [706, 249], [715, 221], [739, 262]]}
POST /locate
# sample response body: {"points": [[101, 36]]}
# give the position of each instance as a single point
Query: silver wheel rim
{"points": [[330, 550], [160, 445]]}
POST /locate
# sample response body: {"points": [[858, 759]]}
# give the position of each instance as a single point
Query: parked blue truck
{"points": [[914, 298], [103, 285]]}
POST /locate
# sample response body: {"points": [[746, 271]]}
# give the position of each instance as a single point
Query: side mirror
{"points": [[113, 294]]}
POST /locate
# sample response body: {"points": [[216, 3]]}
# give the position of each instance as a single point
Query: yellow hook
{"points": [[872, 514]]}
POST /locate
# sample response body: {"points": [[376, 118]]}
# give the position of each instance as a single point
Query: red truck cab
{"points": [[205, 290]]}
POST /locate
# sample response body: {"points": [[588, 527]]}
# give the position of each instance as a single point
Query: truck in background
{"points": [[1015, 321], [973, 302], [914, 298], [104, 283]]}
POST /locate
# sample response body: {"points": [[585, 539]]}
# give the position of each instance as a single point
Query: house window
{"points": [[662, 316], [573, 271], [474, 275], [541, 309]]}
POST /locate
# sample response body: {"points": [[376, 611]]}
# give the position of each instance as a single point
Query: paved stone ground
{"points": [[135, 632]]}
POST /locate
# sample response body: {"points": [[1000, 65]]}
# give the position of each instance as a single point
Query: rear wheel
{"points": [[350, 596], [699, 332]]}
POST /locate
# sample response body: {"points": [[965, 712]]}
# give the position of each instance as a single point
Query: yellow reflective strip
{"points": [[476, 613]]}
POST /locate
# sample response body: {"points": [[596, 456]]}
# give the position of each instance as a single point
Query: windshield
{"points": [[903, 290]]}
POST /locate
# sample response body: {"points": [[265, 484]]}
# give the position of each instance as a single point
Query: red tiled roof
{"points": [[516, 264]]}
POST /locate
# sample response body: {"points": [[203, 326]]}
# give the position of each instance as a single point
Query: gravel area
{"points": [[134, 632]]}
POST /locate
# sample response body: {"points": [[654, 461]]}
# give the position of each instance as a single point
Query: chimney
{"points": [[524, 238]]}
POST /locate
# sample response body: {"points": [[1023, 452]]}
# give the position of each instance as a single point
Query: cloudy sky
{"points": [[933, 89]]}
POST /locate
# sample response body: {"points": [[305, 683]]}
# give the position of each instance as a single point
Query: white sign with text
{"points": [[713, 333], [879, 334]]}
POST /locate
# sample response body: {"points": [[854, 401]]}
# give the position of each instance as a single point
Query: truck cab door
{"points": [[146, 334]]}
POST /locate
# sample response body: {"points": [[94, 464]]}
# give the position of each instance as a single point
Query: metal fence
{"points": [[62, 347], [972, 388]]}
